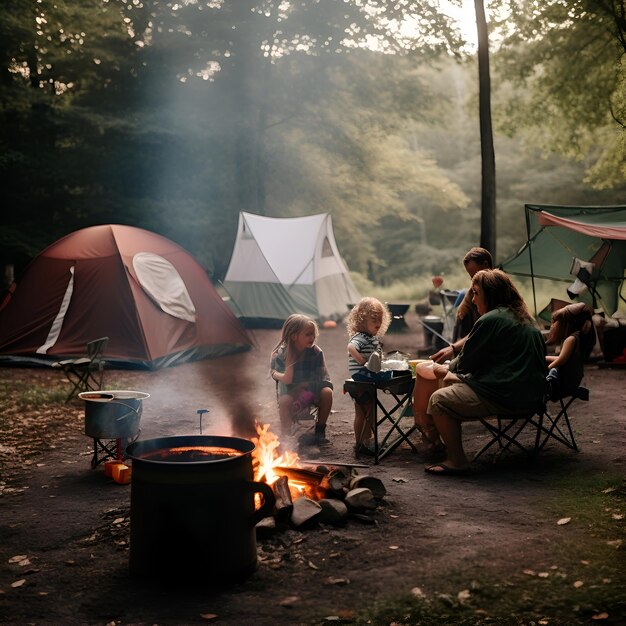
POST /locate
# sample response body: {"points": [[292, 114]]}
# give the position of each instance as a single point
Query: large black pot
{"points": [[192, 513]]}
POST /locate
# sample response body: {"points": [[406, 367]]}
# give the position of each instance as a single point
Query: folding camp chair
{"points": [[552, 429], [301, 413], [85, 373], [544, 425], [399, 389]]}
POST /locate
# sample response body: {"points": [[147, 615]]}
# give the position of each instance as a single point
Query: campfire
{"points": [[306, 492], [196, 497]]}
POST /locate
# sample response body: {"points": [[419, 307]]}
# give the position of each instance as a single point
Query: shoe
{"points": [[440, 469], [364, 450], [374, 362], [313, 439]]}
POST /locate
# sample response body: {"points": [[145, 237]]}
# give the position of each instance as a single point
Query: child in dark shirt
{"points": [[298, 365]]}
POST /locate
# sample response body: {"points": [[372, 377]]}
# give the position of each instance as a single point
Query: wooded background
{"points": [[175, 116]]}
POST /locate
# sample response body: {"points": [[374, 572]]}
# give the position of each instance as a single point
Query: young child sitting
{"points": [[366, 323], [298, 365], [572, 329]]}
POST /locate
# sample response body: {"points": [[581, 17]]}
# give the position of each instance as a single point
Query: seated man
{"points": [[475, 260], [500, 370]]}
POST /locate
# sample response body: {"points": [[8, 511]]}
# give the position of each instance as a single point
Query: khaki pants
{"points": [[458, 400]]}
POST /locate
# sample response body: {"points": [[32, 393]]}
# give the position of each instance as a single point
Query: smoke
{"points": [[232, 383], [226, 386]]}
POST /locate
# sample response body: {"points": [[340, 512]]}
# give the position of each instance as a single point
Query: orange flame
{"points": [[267, 457]]}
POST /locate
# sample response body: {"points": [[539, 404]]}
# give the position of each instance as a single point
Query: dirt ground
{"points": [[64, 527]]}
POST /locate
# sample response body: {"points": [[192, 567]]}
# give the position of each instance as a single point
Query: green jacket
{"points": [[504, 361]]}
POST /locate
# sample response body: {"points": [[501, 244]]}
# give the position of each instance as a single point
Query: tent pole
{"points": [[530, 257]]}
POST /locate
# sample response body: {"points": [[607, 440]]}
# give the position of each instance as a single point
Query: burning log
{"points": [[336, 482], [284, 501], [308, 481]]}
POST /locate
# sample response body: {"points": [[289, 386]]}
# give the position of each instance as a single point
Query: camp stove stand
{"points": [[105, 449], [112, 421]]}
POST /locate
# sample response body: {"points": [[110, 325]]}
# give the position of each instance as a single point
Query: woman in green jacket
{"points": [[500, 370]]}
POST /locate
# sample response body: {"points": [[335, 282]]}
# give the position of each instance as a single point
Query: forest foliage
{"points": [[175, 116]]}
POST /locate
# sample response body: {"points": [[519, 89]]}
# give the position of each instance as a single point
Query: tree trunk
{"points": [[488, 194]]}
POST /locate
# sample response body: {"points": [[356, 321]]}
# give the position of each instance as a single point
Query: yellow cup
{"points": [[413, 363]]}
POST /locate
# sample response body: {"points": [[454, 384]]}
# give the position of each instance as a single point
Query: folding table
{"points": [[389, 417]]}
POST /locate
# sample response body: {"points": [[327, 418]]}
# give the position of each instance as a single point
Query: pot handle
{"points": [[269, 500]]}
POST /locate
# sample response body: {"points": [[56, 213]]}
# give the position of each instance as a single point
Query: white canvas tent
{"points": [[282, 266]]}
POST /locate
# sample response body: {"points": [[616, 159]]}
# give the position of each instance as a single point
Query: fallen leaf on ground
{"points": [[393, 547], [617, 516], [462, 596], [208, 616], [564, 520], [608, 490], [615, 544], [289, 601], [543, 574], [578, 584], [331, 580], [312, 565], [18, 558], [18, 583], [600, 616], [530, 572], [417, 592]]}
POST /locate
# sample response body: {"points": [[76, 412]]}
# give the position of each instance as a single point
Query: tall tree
{"points": [[488, 159], [242, 40], [566, 60]]}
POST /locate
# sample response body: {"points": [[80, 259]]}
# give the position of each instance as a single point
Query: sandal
{"points": [[441, 469]]}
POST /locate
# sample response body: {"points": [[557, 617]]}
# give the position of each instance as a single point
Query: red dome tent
{"points": [[147, 294]]}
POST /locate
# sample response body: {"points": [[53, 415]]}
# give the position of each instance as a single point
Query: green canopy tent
{"points": [[559, 235]]}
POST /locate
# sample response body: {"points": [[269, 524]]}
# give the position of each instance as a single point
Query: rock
{"points": [[266, 527], [375, 485], [360, 498], [304, 510], [333, 511]]}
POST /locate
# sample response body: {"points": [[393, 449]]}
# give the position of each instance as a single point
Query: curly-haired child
{"points": [[298, 365], [366, 323]]}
